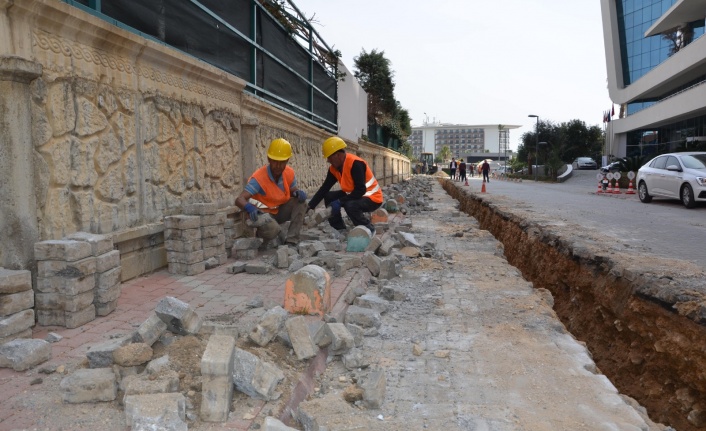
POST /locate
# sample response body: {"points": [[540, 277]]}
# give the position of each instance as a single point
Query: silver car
{"points": [[585, 163], [675, 175]]}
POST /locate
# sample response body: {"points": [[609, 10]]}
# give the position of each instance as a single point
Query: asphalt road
{"points": [[663, 227]]}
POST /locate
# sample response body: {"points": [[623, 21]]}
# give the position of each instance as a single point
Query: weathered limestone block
{"points": [[66, 285], [89, 386], [374, 387], [61, 268], [389, 268], [66, 250], [179, 316], [11, 303], [254, 377], [268, 326], [345, 263], [107, 261], [164, 383], [182, 222], [372, 301], [372, 262], [156, 412], [150, 330], [187, 269], [341, 338], [308, 291], [14, 281], [100, 244], [363, 317], [217, 378], [22, 354], [101, 355], [16, 323], [300, 338], [58, 301], [60, 107]]}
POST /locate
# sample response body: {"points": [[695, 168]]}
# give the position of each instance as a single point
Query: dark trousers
{"points": [[485, 176], [355, 209], [463, 175]]}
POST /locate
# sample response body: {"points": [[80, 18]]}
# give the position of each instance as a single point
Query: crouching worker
{"points": [[360, 192], [272, 189]]}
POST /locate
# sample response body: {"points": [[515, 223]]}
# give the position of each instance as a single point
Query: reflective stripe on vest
{"points": [[273, 196]]}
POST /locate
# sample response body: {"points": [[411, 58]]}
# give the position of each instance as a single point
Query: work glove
{"points": [[301, 195], [253, 212], [335, 207]]}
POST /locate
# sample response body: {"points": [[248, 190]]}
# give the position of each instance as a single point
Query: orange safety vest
{"points": [[274, 196], [372, 188]]}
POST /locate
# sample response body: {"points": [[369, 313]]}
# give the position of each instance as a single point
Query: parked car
{"points": [[674, 175], [585, 163], [611, 167]]}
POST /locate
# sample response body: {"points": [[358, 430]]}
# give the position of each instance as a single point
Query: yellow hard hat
{"points": [[279, 150], [331, 145]]}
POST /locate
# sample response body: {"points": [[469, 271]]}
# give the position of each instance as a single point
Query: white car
{"points": [[674, 175], [585, 163]]}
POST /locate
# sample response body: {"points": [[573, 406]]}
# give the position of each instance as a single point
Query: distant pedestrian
{"points": [[485, 168], [452, 167], [472, 169], [462, 171]]}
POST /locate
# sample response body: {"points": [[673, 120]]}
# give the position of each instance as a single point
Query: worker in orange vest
{"points": [[360, 192], [273, 189]]}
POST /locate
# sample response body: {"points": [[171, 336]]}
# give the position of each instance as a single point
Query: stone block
{"points": [[372, 301], [16, 323], [363, 317], [185, 258], [247, 243], [389, 268], [380, 215], [14, 281], [345, 263], [58, 301], [186, 269], [341, 338], [282, 257], [106, 280], [25, 333], [179, 316], [183, 246], [211, 231], [105, 308], [254, 377], [354, 358], [374, 244], [308, 291], [61, 268], [245, 254], [23, 354], [11, 303], [300, 338], [182, 222], [257, 268], [107, 261], [374, 387], [268, 326], [215, 241], [185, 235], [150, 330], [66, 250], [272, 424], [214, 219], [407, 239], [100, 244], [89, 386], [372, 262], [201, 208], [66, 285], [310, 248], [166, 382], [236, 268], [322, 336], [217, 378], [104, 296], [74, 319], [101, 355], [156, 412]]}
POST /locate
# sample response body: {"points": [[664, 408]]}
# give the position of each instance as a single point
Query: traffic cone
{"points": [[482, 189], [600, 187], [466, 182], [616, 190], [630, 191], [610, 187]]}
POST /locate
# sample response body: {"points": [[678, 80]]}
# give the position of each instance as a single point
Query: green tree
{"points": [[376, 77], [444, 154]]}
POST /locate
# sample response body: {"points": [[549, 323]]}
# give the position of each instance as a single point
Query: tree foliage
{"points": [[376, 77]]}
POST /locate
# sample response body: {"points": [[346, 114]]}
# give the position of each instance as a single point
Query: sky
{"points": [[479, 62]]}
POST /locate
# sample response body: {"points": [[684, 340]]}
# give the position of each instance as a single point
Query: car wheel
{"points": [[687, 196], [643, 194]]}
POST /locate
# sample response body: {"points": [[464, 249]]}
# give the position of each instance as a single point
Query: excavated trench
{"points": [[651, 346]]}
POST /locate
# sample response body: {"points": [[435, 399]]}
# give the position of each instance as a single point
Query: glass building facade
{"points": [[639, 55]]}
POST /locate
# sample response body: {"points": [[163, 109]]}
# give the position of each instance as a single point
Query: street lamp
{"points": [[536, 143], [500, 139], [545, 161]]}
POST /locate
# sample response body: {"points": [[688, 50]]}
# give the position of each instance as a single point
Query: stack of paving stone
{"points": [[182, 240], [230, 234], [66, 278], [107, 288], [16, 305], [213, 237]]}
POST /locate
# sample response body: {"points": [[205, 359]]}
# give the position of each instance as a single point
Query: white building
{"points": [[656, 62], [464, 140]]}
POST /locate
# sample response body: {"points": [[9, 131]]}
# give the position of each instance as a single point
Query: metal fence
{"points": [[268, 43]]}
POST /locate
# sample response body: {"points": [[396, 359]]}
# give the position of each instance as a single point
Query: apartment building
{"points": [[464, 140]]}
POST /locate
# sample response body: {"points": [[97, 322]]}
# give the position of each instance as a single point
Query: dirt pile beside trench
{"points": [[642, 317]]}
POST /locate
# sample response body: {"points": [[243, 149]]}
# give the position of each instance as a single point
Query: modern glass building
{"points": [[656, 62]]}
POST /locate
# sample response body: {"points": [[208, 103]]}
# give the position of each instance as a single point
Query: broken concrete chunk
{"points": [[389, 268], [89, 386], [392, 293], [374, 387], [179, 316], [24, 353], [247, 243], [269, 325], [156, 412], [257, 268], [372, 262], [166, 382], [372, 301], [407, 239], [236, 268], [354, 359]]}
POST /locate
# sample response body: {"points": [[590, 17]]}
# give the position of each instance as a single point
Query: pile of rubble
{"points": [[156, 394]]}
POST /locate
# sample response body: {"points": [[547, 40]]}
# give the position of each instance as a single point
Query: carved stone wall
{"points": [[125, 131]]}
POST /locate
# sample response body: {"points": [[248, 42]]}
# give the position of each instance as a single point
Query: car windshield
{"points": [[696, 161]]}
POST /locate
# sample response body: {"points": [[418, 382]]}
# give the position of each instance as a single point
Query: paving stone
{"points": [[268, 326], [101, 355], [11, 303], [300, 338], [61, 268], [107, 261], [217, 378], [156, 412], [23, 354], [372, 301], [363, 317], [166, 382], [66, 250], [179, 316], [374, 387], [344, 263], [14, 281], [15, 323], [254, 377], [100, 244], [89, 386]]}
